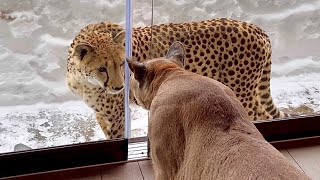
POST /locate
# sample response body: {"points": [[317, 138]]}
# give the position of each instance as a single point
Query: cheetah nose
{"points": [[117, 88], [105, 84]]}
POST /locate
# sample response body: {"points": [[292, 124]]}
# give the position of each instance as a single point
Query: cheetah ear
{"points": [[139, 70], [176, 53], [119, 37], [82, 49]]}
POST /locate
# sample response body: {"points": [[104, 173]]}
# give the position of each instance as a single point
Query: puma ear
{"points": [[119, 37], [139, 70], [176, 52], [81, 50]]}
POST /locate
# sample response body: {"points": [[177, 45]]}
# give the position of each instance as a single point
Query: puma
{"points": [[198, 129]]}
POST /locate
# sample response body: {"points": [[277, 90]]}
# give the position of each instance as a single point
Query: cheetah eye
{"points": [[102, 69]]}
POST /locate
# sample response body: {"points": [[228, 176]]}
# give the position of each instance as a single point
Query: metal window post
{"points": [[127, 70]]}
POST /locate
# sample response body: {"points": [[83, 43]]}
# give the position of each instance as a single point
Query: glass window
{"points": [[37, 108], [214, 49]]}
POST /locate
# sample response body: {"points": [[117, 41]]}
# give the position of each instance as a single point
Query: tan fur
{"points": [[198, 128], [236, 53]]}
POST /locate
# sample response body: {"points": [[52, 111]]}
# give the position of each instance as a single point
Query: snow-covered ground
{"points": [[38, 110]]}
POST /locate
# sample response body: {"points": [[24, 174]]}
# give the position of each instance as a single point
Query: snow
{"points": [[296, 91], [38, 110]]}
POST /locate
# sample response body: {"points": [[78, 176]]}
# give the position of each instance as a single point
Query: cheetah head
{"points": [[99, 60]]}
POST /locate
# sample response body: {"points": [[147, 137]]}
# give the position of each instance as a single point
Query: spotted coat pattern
{"points": [[236, 53]]}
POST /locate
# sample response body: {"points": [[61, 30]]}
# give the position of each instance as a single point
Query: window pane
{"points": [[292, 28], [37, 109], [142, 17]]}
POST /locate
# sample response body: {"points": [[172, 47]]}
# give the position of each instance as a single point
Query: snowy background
{"points": [[38, 110]]}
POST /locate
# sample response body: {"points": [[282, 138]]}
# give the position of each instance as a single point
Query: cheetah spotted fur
{"points": [[236, 53]]}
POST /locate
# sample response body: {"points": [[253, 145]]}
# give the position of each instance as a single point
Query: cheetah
{"points": [[236, 53]]}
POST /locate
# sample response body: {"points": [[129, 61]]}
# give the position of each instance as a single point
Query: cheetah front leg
{"points": [[114, 129], [104, 124]]}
